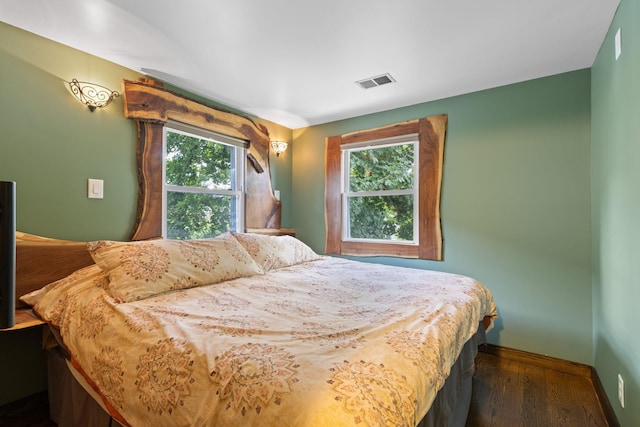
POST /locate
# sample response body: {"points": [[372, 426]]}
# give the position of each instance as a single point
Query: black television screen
{"points": [[7, 253]]}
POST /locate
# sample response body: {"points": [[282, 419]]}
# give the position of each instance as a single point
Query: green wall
{"points": [[515, 204], [51, 144], [616, 212]]}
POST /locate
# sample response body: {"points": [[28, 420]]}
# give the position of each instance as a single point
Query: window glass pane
{"points": [[197, 216], [381, 217], [384, 168], [196, 162]]}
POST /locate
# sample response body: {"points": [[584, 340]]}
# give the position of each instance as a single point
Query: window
{"points": [[203, 183], [383, 190], [380, 190], [151, 107]]}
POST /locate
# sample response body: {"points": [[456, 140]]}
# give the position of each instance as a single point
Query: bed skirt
{"points": [[451, 406], [73, 402]]}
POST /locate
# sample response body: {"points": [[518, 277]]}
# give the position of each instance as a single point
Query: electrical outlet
{"points": [[621, 390]]}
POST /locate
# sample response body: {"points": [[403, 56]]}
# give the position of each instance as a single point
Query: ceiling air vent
{"points": [[375, 81]]}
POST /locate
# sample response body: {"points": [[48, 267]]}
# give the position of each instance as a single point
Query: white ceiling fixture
{"points": [[294, 62]]}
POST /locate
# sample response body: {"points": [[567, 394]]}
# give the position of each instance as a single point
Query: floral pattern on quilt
{"points": [[373, 394], [94, 319], [332, 335], [326, 342], [253, 376], [295, 308], [235, 326], [410, 345], [141, 320], [104, 366], [145, 261], [223, 301], [200, 257], [164, 374]]}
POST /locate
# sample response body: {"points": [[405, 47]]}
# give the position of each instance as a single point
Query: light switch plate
{"points": [[95, 189]]}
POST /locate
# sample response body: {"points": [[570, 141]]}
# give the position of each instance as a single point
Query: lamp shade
{"points": [[278, 147], [91, 94]]}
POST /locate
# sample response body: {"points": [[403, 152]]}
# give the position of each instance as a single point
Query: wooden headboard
{"points": [[41, 260]]}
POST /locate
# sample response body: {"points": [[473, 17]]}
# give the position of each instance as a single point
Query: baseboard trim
{"points": [[605, 404], [565, 366], [539, 360]]}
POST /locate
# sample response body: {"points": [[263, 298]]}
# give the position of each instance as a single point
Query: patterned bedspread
{"points": [[329, 342]]}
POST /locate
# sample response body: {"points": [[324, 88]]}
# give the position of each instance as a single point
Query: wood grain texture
{"points": [[333, 196], [273, 231], [431, 133], [389, 131], [150, 186], [151, 106], [546, 362], [605, 404], [40, 261], [24, 318], [378, 249], [516, 388]]}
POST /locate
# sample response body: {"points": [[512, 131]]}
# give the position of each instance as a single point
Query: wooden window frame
{"points": [[431, 137], [150, 105]]}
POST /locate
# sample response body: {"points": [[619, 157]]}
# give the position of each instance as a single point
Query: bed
{"points": [[248, 329]]}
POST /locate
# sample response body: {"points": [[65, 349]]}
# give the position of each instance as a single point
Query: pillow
{"points": [[139, 270], [53, 301], [273, 252]]}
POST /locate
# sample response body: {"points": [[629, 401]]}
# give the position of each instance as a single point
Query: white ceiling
{"points": [[295, 62]]}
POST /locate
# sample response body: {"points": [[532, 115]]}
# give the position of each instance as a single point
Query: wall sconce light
{"points": [[279, 147], [91, 94]]}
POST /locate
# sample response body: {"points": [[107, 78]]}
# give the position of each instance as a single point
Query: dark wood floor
{"points": [[519, 392], [32, 411], [507, 392]]}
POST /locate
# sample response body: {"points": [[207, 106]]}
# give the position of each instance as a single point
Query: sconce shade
{"points": [[91, 94], [278, 147]]}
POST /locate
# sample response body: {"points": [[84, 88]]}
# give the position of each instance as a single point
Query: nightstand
{"points": [[24, 318], [273, 231]]}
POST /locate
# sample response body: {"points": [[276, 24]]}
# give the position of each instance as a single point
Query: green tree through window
{"points": [[375, 175], [202, 191]]}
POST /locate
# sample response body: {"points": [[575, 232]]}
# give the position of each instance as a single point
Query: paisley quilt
{"points": [[324, 342]]}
